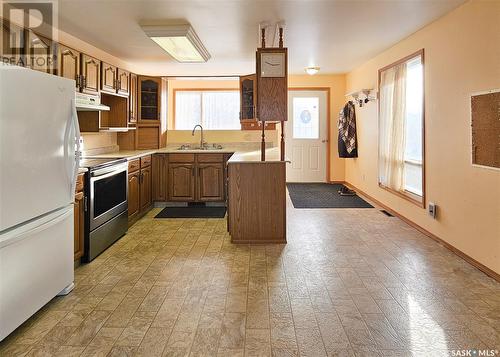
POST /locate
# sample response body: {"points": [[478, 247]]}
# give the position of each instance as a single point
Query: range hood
{"points": [[89, 103]]}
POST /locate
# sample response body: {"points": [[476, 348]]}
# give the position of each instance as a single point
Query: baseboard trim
{"points": [[491, 273]]}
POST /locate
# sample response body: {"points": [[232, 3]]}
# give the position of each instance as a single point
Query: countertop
{"points": [[272, 156], [241, 153]]}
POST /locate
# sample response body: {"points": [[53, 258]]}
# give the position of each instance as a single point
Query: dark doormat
{"points": [[322, 195], [192, 212]]}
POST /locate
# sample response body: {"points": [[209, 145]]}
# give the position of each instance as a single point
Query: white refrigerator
{"points": [[38, 168]]}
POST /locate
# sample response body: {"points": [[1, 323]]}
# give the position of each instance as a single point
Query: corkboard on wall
{"points": [[485, 122]]}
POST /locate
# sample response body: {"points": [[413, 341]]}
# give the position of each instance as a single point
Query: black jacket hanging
{"points": [[347, 141]]}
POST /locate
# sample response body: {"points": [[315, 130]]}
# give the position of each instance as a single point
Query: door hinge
{"points": [[85, 203]]}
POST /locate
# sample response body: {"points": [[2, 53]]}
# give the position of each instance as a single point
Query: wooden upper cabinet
{"points": [[108, 78], [41, 53], [14, 36], [69, 64], [133, 99], [123, 82], [133, 193], [91, 73], [149, 96], [248, 97], [210, 182], [181, 185]]}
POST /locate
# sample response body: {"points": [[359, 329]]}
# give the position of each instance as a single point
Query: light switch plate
{"points": [[432, 209]]}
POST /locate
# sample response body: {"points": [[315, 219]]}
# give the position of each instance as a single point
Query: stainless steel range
{"points": [[106, 210]]}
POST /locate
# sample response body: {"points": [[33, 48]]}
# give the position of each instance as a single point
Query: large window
{"points": [[213, 109], [401, 124]]}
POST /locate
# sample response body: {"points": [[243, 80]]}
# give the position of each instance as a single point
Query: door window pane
{"points": [[306, 118]]}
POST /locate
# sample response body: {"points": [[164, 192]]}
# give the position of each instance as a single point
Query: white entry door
{"points": [[306, 136]]}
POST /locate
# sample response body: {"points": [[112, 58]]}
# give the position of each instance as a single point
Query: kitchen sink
{"points": [[205, 148]]}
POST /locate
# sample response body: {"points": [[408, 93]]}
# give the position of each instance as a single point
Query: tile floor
{"points": [[350, 282]]}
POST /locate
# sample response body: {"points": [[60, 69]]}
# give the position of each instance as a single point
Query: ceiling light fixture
{"points": [[179, 41], [312, 70]]}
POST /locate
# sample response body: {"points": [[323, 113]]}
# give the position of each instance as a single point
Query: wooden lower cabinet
{"points": [[133, 194], [139, 187], [188, 177], [145, 188], [210, 182], [79, 218], [159, 173], [181, 182]]}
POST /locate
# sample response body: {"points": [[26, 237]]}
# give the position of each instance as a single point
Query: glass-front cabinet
{"points": [[149, 98], [247, 97]]}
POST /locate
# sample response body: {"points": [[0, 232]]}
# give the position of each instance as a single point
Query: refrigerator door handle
{"points": [[70, 145]]}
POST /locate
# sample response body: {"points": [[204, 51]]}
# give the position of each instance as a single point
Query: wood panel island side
{"points": [[257, 198]]}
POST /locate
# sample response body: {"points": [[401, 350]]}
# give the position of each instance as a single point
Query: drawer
{"points": [[79, 183], [181, 158], [210, 157], [134, 165], [146, 161]]}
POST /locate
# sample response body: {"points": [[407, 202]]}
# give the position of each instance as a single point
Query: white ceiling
{"points": [[335, 35]]}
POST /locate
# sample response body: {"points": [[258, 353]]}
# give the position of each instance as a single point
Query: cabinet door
{"points": [[159, 173], [149, 98], [145, 188], [79, 216], [133, 99], [210, 182], [91, 72], [181, 182], [123, 84], [108, 78], [42, 53], [12, 45], [69, 64], [133, 193], [248, 97]]}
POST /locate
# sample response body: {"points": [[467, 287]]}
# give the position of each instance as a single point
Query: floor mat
{"points": [[192, 212], [322, 195]]}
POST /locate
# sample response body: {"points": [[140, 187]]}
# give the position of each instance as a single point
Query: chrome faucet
{"points": [[202, 144]]}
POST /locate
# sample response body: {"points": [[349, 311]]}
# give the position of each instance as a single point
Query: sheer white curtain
{"points": [[187, 109], [215, 110], [392, 127], [221, 110]]}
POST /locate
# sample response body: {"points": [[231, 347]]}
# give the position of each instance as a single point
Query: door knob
{"points": [[324, 141]]}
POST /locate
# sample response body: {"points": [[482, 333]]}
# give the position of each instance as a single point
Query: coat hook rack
{"points": [[362, 96]]}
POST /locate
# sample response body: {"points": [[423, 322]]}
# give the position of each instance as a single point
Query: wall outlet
{"points": [[432, 209], [364, 177]]}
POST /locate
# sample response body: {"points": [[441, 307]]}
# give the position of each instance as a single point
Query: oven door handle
{"points": [[108, 171]]}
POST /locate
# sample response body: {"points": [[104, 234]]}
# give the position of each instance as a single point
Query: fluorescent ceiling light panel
{"points": [[179, 41]]}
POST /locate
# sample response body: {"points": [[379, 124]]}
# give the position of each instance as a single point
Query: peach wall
{"points": [[462, 56]]}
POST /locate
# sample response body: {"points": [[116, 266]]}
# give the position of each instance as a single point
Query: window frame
{"points": [[407, 195], [175, 90]]}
